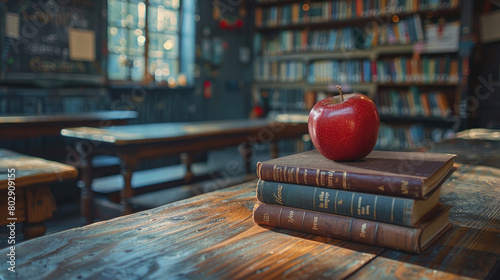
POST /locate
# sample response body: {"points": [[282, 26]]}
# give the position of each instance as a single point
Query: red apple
{"points": [[344, 127]]}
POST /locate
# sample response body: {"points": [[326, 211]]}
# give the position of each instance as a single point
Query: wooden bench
{"points": [[24, 187], [150, 183]]}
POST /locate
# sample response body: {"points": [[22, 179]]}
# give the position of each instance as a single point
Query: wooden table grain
{"points": [[134, 143], [213, 236], [29, 179]]}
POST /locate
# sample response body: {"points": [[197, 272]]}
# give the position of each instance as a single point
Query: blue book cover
{"points": [[332, 40]]}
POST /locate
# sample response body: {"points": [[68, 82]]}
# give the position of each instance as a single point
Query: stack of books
{"points": [[387, 199]]}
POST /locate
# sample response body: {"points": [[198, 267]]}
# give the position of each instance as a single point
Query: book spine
{"points": [[380, 208], [397, 186], [338, 227]]}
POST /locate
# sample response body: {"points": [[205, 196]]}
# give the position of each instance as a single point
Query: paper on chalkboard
{"points": [[12, 25], [81, 44]]}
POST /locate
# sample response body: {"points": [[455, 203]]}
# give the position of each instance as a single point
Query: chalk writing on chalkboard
{"points": [[52, 40]]}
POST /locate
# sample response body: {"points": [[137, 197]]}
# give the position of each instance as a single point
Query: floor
{"points": [[67, 215]]}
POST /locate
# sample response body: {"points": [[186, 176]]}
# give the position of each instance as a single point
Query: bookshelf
{"points": [[404, 54]]}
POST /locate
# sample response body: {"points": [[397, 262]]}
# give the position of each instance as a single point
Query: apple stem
{"points": [[340, 90]]}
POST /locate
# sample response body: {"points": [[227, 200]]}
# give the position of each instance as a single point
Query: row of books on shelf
{"points": [[340, 71], [297, 13], [282, 71], [376, 201], [285, 100], [413, 103], [404, 137], [405, 31], [426, 69]]}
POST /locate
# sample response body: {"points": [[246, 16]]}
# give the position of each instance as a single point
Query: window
{"points": [[144, 39]]}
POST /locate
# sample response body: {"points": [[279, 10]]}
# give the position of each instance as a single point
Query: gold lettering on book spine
{"points": [[404, 187], [330, 179], [317, 177], [290, 217], [315, 223], [266, 217], [363, 231], [321, 200], [344, 181], [359, 205], [322, 181], [279, 196], [290, 175]]}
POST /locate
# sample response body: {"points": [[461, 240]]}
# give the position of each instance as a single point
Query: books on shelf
{"points": [[322, 11], [276, 70], [404, 32], [401, 137], [388, 199], [339, 71], [412, 103], [426, 69]]}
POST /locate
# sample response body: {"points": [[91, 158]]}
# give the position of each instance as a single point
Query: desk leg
{"points": [[86, 193], [274, 150], [187, 160], [39, 206], [245, 150], [127, 169]]}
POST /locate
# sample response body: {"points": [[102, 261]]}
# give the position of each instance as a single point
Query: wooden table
{"points": [[33, 126], [133, 143], [30, 177], [213, 236]]}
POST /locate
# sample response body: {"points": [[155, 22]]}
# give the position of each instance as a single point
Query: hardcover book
{"points": [[404, 174], [382, 208], [408, 239]]}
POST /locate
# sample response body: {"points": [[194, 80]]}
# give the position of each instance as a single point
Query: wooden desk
{"points": [[213, 236], [133, 143], [31, 177], [32, 126]]}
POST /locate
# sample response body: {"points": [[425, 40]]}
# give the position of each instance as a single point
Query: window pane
{"points": [[162, 69], [163, 45], [117, 69], [161, 19], [137, 68], [137, 40], [136, 17], [173, 4], [117, 11], [117, 39]]}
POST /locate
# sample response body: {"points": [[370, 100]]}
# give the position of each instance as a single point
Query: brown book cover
{"points": [[408, 239], [405, 174]]}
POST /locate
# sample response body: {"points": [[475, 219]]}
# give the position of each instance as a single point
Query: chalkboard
{"points": [[52, 42]]}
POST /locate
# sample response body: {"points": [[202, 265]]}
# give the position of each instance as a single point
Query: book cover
{"points": [[382, 208], [408, 239], [407, 174]]}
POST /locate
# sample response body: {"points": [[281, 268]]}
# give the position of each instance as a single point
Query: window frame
{"points": [[185, 47]]}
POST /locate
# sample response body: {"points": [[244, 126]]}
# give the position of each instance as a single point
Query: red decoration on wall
{"points": [[229, 22], [207, 89]]}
